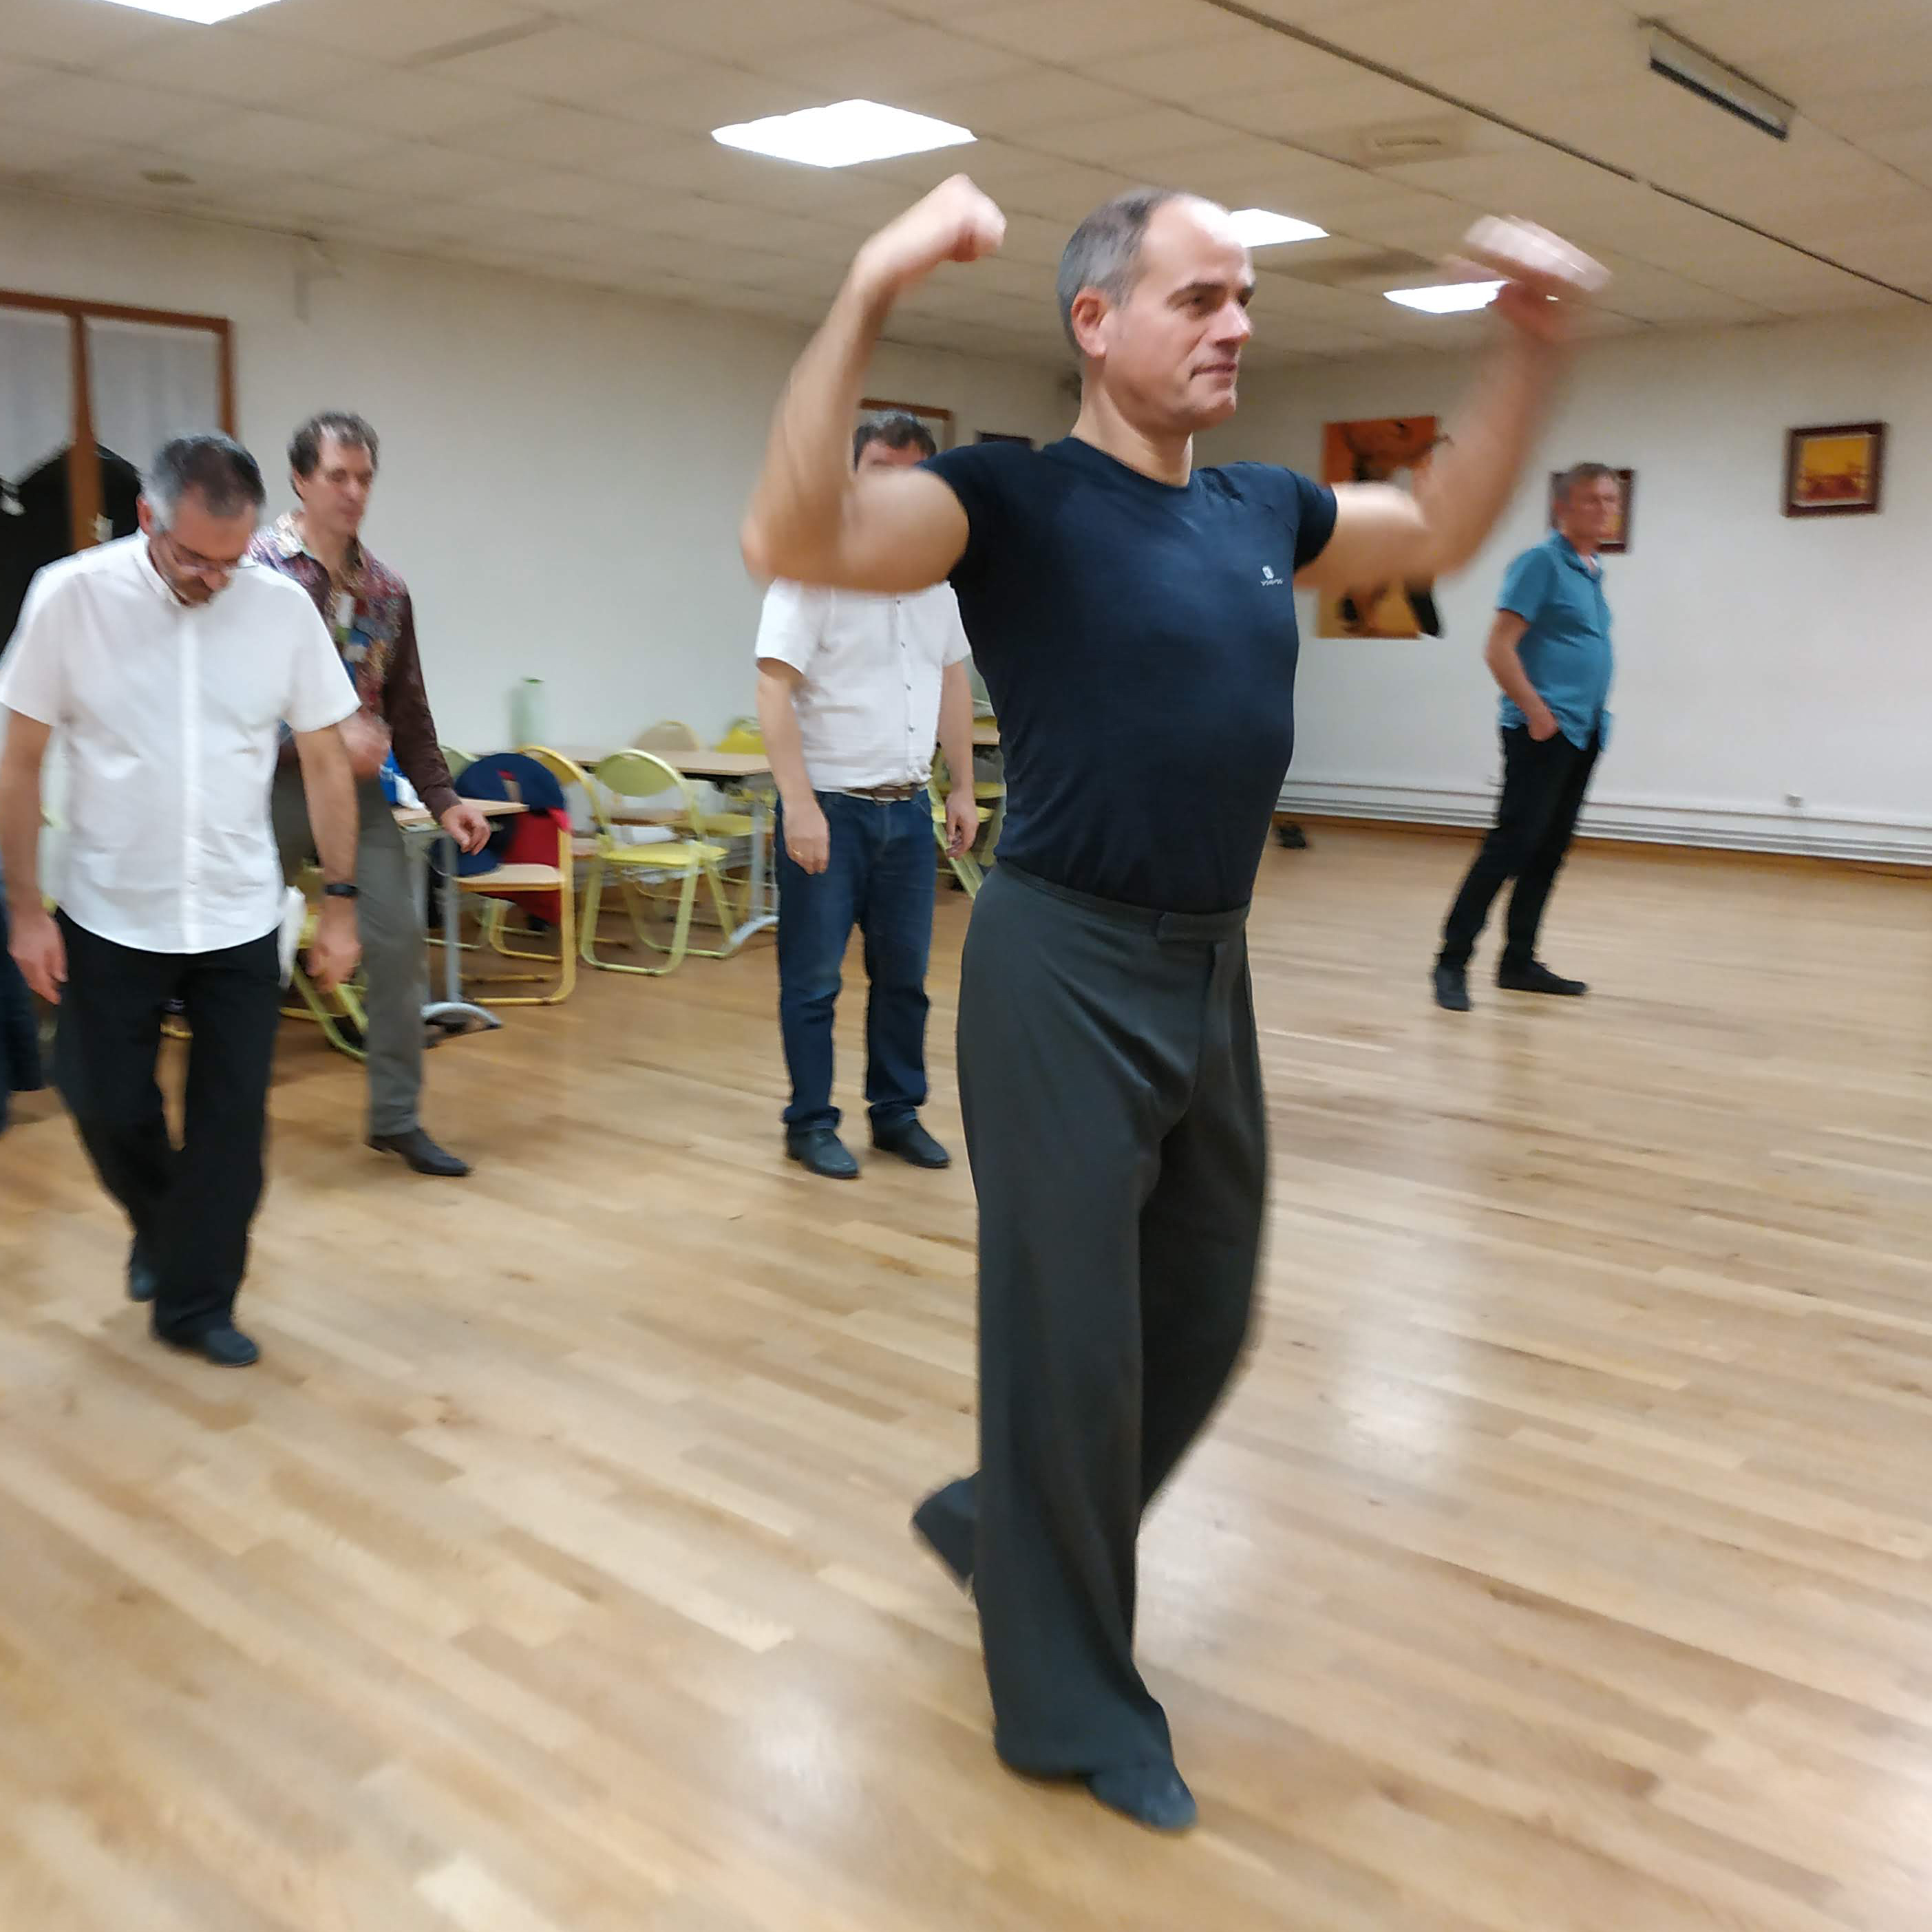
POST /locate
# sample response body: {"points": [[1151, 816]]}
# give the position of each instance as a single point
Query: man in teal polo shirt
{"points": [[1549, 650]]}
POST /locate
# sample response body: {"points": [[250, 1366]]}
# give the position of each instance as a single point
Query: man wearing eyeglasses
{"points": [[165, 668]]}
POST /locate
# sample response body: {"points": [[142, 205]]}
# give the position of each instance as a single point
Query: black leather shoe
{"points": [[142, 1280], [1452, 989], [1153, 1794], [1537, 978], [911, 1142], [421, 1153], [947, 1533], [821, 1152], [226, 1346]]}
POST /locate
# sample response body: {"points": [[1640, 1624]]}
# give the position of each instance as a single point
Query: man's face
{"points": [[1588, 515], [1170, 355], [876, 456], [335, 494], [196, 552]]}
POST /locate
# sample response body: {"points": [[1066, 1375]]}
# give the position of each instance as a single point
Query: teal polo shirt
{"points": [[1566, 651]]}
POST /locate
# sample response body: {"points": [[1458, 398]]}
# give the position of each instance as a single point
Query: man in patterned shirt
{"points": [[367, 607]]}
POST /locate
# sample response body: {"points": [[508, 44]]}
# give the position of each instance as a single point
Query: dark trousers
{"points": [[191, 1206], [1114, 1117], [880, 879], [1536, 819], [389, 924]]}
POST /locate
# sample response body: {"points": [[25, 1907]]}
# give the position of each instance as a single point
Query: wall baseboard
{"points": [[1871, 839]]}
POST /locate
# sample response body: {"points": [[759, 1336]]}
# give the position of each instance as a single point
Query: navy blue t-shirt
{"points": [[1138, 643]]}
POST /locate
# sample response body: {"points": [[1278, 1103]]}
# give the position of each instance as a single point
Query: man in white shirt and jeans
{"points": [[853, 690], [166, 666]]}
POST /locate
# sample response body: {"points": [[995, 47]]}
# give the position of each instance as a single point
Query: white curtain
{"points": [[36, 394], [151, 383]]}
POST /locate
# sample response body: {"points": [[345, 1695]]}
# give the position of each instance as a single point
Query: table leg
{"points": [[760, 914], [453, 1006]]}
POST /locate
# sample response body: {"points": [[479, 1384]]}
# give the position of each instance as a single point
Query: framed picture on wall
{"points": [[1619, 540], [1379, 449], [938, 422], [1836, 469], [1002, 436]]}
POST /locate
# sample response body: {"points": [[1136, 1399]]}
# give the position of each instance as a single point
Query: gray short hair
{"points": [[1104, 252], [216, 468], [897, 429], [1579, 473]]}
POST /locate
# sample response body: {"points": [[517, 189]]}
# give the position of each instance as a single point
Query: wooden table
{"points": [[453, 1006]]}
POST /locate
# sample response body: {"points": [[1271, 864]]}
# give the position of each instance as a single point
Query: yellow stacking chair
{"points": [[967, 867], [639, 774], [508, 883]]}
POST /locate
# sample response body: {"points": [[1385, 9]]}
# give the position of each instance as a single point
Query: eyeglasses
{"points": [[209, 569]]}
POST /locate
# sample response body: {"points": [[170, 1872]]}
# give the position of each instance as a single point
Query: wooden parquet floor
{"points": [[1562, 1564]]}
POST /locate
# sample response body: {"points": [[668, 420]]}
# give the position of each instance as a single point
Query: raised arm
{"points": [[1382, 533], [810, 518]]}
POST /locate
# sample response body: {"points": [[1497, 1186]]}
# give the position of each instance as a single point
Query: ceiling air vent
{"points": [[1442, 138]]}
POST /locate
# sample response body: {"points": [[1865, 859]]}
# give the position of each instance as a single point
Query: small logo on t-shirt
{"points": [[1268, 575]]}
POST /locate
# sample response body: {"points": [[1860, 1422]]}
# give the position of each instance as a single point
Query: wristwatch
{"points": [[341, 889]]}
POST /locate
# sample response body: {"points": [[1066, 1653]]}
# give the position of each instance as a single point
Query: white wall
{"points": [[563, 470], [1759, 657]]}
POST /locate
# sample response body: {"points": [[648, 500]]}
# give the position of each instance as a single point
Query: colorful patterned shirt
{"points": [[372, 621]]}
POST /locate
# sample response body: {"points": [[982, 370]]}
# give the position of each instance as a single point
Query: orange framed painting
{"points": [[1834, 469], [1379, 449]]}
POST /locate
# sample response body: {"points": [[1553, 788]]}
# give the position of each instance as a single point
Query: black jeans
{"points": [[1111, 1086], [1542, 792], [191, 1206], [880, 878]]}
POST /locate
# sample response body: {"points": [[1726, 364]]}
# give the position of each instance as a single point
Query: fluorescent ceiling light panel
{"points": [[840, 136], [203, 13], [1451, 298], [1690, 67], [1262, 228]]}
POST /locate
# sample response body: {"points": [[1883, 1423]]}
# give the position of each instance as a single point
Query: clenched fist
{"points": [[1545, 278], [955, 223]]}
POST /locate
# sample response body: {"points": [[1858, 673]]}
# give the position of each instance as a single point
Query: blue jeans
{"points": [[880, 879]]}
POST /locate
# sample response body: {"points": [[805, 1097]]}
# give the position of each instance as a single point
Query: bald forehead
{"points": [[1192, 239]]}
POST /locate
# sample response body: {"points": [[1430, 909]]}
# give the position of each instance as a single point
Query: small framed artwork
{"points": [[1619, 541], [938, 422], [1002, 436], [1836, 469]]}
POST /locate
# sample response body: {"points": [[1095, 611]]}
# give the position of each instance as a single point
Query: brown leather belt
{"points": [[892, 794]]}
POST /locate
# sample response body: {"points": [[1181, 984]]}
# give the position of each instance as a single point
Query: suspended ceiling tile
{"points": [[1082, 34], [406, 105], [872, 65], [100, 110], [27, 153], [740, 30], [61, 33], [384, 31], [570, 64], [276, 142], [1130, 142], [219, 64], [1237, 58], [1027, 100]]}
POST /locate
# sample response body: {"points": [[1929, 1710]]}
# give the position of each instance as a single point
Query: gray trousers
{"points": [[1112, 1093], [389, 917]]}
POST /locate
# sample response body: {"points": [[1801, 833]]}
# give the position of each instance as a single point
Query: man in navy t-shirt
{"points": [[1134, 620]]}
